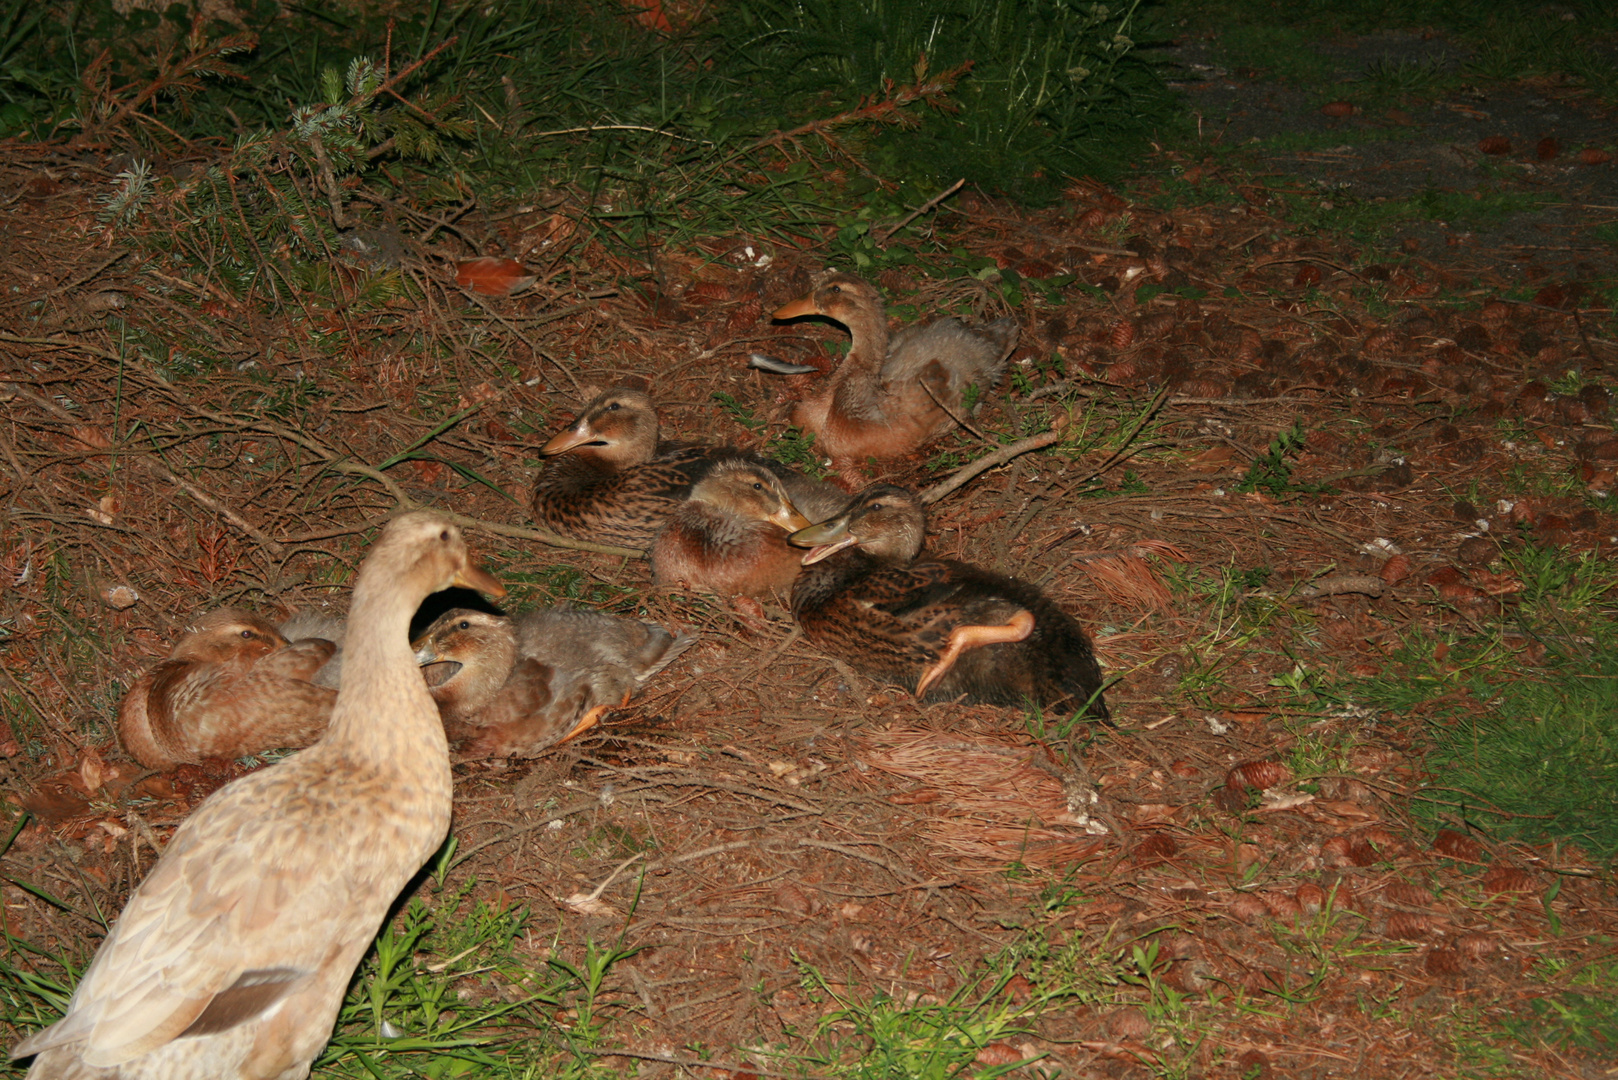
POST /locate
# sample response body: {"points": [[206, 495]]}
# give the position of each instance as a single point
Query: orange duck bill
{"points": [[804, 305], [571, 439], [475, 577]]}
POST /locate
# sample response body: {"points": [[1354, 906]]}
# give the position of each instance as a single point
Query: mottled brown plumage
{"points": [[615, 482], [232, 686], [941, 629], [730, 537], [230, 960], [516, 686], [894, 392]]}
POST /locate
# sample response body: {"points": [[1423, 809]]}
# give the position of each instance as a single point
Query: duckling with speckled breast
{"points": [[940, 628]]}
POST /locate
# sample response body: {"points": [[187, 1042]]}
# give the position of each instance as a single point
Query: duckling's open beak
{"points": [[475, 577], [575, 436], [823, 539], [439, 672], [789, 518], [797, 309]]}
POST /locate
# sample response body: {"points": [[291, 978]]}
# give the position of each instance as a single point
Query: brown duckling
{"points": [[232, 686], [894, 392], [730, 537], [516, 686], [231, 959], [940, 628], [618, 483]]}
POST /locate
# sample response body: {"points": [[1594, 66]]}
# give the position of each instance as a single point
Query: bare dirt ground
{"points": [[763, 809]]}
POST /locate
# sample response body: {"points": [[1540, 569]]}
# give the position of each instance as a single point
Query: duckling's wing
{"points": [[299, 660], [319, 626], [240, 911], [658, 651], [815, 499], [616, 656], [918, 590], [966, 354]]}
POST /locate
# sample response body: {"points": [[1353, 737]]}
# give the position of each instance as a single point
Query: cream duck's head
{"points": [[618, 428], [418, 554], [884, 521]]}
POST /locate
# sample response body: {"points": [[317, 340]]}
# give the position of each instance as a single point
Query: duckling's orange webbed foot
{"points": [[593, 717], [963, 638]]}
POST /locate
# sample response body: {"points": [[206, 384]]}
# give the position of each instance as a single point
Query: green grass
{"points": [[1523, 751], [1582, 1011]]}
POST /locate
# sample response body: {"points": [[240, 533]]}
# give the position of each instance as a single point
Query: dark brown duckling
{"points": [[730, 537], [892, 393], [232, 686], [615, 482], [941, 629], [516, 686]]}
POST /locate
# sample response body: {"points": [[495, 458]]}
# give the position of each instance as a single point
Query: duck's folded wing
{"points": [[238, 913], [908, 593], [299, 660]]}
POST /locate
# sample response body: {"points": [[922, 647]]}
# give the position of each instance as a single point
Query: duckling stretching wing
{"points": [[231, 958], [894, 392], [942, 629], [518, 686]]}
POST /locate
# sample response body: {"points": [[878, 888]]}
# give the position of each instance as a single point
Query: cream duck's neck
{"points": [[383, 711]]}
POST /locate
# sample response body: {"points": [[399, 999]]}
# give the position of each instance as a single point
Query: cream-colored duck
{"points": [[516, 686], [893, 392], [232, 686], [730, 536], [231, 959]]}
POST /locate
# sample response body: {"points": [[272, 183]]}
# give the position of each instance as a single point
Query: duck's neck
{"points": [[859, 376], [384, 713]]}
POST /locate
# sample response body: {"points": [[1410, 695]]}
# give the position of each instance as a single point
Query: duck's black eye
{"points": [[247, 635], [874, 506], [465, 625], [614, 407], [758, 486], [444, 536], [835, 289]]}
